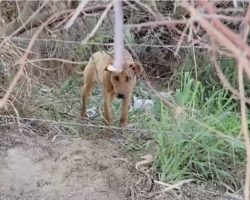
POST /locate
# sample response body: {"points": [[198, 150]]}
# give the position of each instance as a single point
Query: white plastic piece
{"points": [[45, 90], [91, 113], [144, 104]]}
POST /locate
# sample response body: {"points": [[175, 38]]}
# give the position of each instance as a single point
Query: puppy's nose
{"points": [[120, 96]]}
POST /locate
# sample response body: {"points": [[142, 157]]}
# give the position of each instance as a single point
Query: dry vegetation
{"points": [[196, 56]]}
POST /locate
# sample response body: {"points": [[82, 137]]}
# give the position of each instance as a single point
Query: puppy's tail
{"points": [[78, 72]]}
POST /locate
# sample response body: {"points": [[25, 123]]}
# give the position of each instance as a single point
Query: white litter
{"points": [[45, 90], [143, 104], [92, 113]]}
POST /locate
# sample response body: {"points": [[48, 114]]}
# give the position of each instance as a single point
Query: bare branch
{"points": [[76, 13], [222, 77], [29, 17], [221, 33], [98, 24], [22, 62], [157, 23], [118, 37]]}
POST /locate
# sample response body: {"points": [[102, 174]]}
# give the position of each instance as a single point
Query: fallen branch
{"points": [[22, 61], [29, 17], [76, 13]]}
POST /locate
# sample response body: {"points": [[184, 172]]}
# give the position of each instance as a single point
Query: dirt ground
{"points": [[36, 165]]}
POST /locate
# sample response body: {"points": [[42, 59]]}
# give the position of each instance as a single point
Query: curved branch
{"points": [[31, 17], [28, 18]]}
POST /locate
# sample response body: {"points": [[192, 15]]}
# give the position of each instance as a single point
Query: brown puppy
{"points": [[118, 85]]}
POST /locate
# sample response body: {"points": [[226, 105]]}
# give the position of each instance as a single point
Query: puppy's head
{"points": [[124, 81]]}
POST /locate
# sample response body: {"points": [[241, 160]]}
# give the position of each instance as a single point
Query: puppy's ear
{"points": [[108, 67], [136, 68]]}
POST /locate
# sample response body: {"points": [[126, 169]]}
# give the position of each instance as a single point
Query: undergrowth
{"points": [[201, 141]]}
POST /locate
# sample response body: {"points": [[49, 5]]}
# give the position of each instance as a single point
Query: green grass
{"points": [[201, 144], [187, 149]]}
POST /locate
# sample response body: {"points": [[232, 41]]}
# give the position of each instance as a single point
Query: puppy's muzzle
{"points": [[120, 96]]}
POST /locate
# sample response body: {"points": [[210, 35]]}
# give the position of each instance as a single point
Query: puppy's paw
{"points": [[83, 116], [123, 123]]}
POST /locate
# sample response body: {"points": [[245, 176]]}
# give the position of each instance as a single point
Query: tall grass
{"points": [[187, 149]]}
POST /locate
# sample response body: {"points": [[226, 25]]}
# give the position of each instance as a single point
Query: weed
{"points": [[185, 149], [191, 150]]}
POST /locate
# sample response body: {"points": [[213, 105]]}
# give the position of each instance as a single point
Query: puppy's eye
{"points": [[127, 78], [116, 78]]}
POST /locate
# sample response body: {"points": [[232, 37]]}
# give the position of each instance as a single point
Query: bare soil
{"points": [[34, 166]]}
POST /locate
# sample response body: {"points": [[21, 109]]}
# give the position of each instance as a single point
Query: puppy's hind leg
{"points": [[108, 98], [86, 90]]}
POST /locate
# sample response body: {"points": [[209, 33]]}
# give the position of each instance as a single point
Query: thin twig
{"points": [[76, 13], [157, 23], [222, 77], [98, 24], [25, 23], [17, 118], [244, 125], [106, 44], [157, 16], [54, 59]]}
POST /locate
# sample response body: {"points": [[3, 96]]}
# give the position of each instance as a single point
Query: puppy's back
{"points": [[98, 61], [127, 57]]}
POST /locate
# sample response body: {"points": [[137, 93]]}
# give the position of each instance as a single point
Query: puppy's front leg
{"points": [[125, 107], [108, 98]]}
